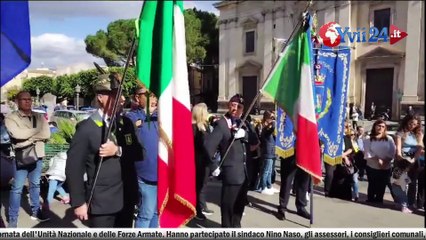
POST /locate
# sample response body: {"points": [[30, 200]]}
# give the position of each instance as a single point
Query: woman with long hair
{"points": [[379, 152], [409, 144], [200, 126]]}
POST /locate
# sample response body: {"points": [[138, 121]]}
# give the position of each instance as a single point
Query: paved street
{"points": [[327, 213]]}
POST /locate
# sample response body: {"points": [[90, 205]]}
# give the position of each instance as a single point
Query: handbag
{"points": [[25, 156], [349, 169]]}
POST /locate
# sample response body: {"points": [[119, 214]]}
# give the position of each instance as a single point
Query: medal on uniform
{"points": [[128, 138]]}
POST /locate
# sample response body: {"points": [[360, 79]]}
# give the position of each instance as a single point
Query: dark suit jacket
{"points": [[233, 169], [132, 151], [83, 157]]}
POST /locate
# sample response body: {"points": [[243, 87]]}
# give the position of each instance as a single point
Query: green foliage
{"points": [[202, 39], [12, 92], [112, 46], [130, 81], [65, 133], [45, 84], [195, 40], [209, 30], [64, 86]]}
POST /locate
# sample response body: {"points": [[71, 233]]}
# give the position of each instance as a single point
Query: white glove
{"points": [[240, 134], [216, 172]]}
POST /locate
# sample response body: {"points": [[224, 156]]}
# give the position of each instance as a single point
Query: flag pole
{"points": [[311, 197], [259, 93], [113, 114]]}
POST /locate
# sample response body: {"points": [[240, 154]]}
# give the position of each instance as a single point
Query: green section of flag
{"points": [[154, 61], [283, 84]]}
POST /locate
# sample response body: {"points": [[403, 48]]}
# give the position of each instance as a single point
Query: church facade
{"points": [[252, 33]]}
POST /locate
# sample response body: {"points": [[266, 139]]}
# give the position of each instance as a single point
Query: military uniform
{"points": [[109, 198], [233, 171]]}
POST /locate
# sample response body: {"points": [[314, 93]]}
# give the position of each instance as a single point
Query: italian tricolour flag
{"points": [[162, 68], [290, 85]]}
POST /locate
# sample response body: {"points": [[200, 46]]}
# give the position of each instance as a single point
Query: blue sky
{"points": [[58, 29]]}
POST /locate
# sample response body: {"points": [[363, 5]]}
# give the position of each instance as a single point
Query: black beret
{"points": [[238, 98]]}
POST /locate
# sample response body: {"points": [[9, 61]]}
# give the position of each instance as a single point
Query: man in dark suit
{"points": [[291, 173], [104, 207], [233, 169]]}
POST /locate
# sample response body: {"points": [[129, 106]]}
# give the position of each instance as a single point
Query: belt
{"points": [[153, 183]]}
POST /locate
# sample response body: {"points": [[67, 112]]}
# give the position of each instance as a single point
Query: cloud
{"points": [[203, 5], [189, 4], [61, 52], [61, 10]]}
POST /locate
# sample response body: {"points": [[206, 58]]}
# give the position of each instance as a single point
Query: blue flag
{"points": [[331, 71], [285, 140], [15, 39]]}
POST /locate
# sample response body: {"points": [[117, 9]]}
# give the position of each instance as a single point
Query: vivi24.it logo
{"points": [[332, 34]]}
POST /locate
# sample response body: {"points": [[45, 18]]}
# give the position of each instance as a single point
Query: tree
{"points": [[112, 46], [12, 92], [195, 40], [45, 84], [209, 30]]}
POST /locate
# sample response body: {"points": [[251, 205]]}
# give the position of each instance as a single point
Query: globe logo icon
{"points": [[329, 35]]}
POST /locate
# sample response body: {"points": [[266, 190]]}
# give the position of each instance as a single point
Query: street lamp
{"points": [[38, 96], [77, 93]]}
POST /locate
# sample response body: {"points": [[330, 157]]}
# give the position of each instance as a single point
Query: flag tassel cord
{"points": [[259, 93], [113, 114]]}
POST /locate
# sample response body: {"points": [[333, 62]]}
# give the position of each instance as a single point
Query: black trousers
{"points": [[233, 201], [105, 220], [290, 172], [202, 177], [253, 170], [416, 188], [328, 180], [360, 163], [377, 182]]}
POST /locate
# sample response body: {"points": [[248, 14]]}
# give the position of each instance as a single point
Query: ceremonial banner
{"points": [[284, 142], [331, 71], [290, 85], [15, 39]]}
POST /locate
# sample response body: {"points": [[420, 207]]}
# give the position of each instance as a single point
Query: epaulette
{"points": [[97, 119]]}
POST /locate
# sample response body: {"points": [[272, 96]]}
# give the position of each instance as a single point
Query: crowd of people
{"points": [[241, 154]]}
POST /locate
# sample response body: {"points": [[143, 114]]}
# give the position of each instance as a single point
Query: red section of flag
{"points": [[176, 179], [396, 34], [307, 146]]}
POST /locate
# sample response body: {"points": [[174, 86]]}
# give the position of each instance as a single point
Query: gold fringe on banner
{"points": [[333, 160], [284, 153], [187, 204]]}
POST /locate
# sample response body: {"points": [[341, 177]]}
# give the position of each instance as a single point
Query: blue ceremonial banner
{"points": [[15, 39], [331, 71], [285, 140]]}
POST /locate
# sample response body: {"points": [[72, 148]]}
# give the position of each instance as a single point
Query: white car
{"points": [[73, 115]]}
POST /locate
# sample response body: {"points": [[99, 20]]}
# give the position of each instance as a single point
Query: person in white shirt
{"points": [[359, 157], [379, 152], [56, 173], [354, 117]]}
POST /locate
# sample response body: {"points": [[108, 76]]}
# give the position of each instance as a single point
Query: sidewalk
{"points": [[329, 213]]}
